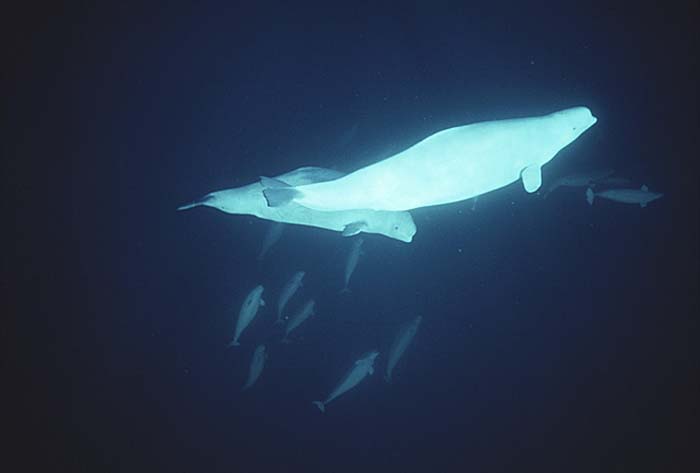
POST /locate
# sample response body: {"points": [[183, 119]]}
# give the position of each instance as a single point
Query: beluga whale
{"points": [[641, 196], [449, 166], [249, 200], [249, 310], [287, 292], [580, 179], [360, 370], [351, 264], [271, 237], [257, 363], [401, 342]]}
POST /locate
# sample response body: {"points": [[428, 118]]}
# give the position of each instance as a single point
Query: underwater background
{"points": [[556, 336]]}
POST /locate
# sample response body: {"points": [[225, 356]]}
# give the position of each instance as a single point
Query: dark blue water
{"points": [[556, 336]]}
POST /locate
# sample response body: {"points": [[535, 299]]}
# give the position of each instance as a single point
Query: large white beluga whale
{"points": [[449, 166], [360, 370], [249, 200]]}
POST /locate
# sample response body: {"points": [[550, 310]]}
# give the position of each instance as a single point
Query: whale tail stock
{"points": [[189, 206], [321, 406]]}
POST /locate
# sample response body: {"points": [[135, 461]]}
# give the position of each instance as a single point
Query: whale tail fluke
{"points": [[321, 406], [233, 343], [590, 196], [345, 290]]}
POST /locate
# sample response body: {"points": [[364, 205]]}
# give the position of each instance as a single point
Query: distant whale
{"points": [[641, 196], [360, 370], [581, 179], [306, 311], [353, 259], [449, 166], [288, 291], [257, 363], [249, 309], [249, 200], [401, 342], [271, 237]]}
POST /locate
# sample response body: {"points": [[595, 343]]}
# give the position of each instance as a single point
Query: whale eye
{"points": [[396, 227]]}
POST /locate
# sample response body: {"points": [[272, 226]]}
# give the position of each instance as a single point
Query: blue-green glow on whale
{"points": [[449, 166]]}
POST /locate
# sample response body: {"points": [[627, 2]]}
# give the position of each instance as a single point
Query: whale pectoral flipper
{"points": [[280, 197], [277, 193], [354, 228], [532, 178]]}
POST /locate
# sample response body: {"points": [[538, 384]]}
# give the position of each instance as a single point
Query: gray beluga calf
{"points": [[351, 264], [288, 292], [248, 311], [611, 182], [401, 342], [449, 166], [256, 366], [581, 179], [360, 370], [641, 196], [306, 311], [271, 237], [249, 200]]}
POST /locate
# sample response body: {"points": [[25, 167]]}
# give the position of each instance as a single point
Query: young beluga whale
{"points": [[580, 179], [271, 237], [306, 311], [401, 342], [641, 196], [288, 292], [249, 200], [351, 264], [449, 166], [360, 370], [248, 311], [257, 363]]}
